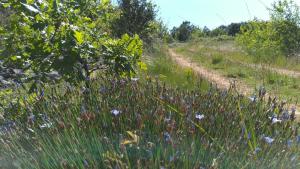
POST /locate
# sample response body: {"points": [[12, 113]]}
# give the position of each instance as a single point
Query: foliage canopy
{"points": [[65, 39], [279, 36]]}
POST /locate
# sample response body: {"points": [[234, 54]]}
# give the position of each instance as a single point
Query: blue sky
{"points": [[212, 13]]}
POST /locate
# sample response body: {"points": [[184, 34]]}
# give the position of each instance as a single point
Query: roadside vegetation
{"points": [[91, 84], [229, 60]]}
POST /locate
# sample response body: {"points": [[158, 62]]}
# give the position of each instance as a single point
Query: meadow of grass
{"points": [[161, 66], [231, 51], [230, 61], [166, 118], [130, 123]]}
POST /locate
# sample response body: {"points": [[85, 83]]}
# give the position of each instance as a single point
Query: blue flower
{"points": [[275, 120], [298, 139], [269, 140], [200, 116], [115, 112], [289, 143], [167, 137], [46, 125], [31, 118], [252, 98], [257, 150]]}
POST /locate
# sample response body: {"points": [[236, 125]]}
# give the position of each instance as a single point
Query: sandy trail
{"points": [[286, 72], [217, 78], [282, 71], [210, 75]]}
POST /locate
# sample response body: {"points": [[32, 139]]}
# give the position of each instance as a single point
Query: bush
{"points": [[68, 40], [279, 36]]}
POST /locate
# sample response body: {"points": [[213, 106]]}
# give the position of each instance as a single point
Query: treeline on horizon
{"points": [[187, 31], [266, 40]]}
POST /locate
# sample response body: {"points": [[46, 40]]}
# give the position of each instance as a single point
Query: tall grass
{"points": [[124, 123], [161, 66]]}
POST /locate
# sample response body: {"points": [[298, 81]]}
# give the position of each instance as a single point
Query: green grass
{"points": [[157, 127], [160, 65], [226, 59]]}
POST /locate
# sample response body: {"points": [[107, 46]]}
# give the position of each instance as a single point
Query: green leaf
{"points": [[30, 2], [79, 37], [5, 5], [143, 66], [14, 58]]}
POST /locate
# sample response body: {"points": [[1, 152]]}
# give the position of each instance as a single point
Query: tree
{"points": [[285, 17], [279, 36], [234, 28], [183, 32], [258, 39], [221, 30], [64, 39], [206, 31], [136, 17]]}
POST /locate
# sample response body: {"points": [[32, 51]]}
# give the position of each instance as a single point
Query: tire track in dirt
{"points": [[210, 75], [282, 71], [215, 77], [286, 72]]}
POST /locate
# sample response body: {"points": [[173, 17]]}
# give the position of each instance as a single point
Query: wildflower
{"points": [[167, 137], [298, 139], [167, 120], [289, 143], [262, 91], [285, 115], [7, 127], [46, 125], [293, 158], [293, 113], [82, 109], [31, 118], [115, 112], [249, 136], [85, 163], [200, 116], [103, 90], [135, 79], [275, 120], [269, 140], [252, 98], [31, 130], [44, 117], [257, 149]]}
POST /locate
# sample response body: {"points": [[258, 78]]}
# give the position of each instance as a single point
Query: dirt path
{"points": [[217, 78], [286, 72], [210, 75], [282, 71]]}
